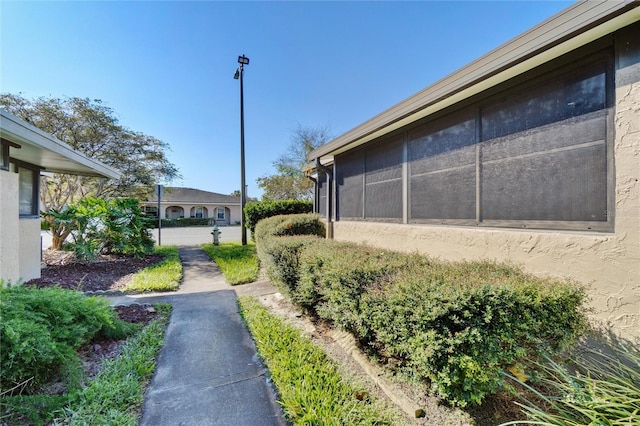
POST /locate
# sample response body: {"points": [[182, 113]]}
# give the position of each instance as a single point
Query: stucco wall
{"points": [[609, 263], [9, 232], [29, 248]]}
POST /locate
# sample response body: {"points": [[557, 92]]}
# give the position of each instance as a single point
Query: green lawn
{"points": [[238, 263], [163, 276], [310, 387]]}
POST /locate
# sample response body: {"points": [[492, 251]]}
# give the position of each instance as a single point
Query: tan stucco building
{"points": [[529, 154], [25, 151], [180, 203]]}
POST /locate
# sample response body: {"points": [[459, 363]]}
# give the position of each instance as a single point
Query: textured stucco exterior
{"points": [[30, 248], [9, 233]]}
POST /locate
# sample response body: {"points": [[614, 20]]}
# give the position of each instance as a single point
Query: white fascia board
{"points": [[44, 150]]}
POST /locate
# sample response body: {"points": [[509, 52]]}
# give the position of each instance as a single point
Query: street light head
{"points": [[243, 60], [237, 74]]}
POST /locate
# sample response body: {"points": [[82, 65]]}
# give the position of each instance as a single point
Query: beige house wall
{"points": [[9, 232], [609, 263], [30, 248]]}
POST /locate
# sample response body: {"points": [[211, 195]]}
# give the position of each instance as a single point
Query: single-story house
{"points": [[529, 154], [179, 203], [25, 152]]}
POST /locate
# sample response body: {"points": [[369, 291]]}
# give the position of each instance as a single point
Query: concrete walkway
{"points": [[208, 372]]}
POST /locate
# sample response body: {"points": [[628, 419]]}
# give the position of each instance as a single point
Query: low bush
{"points": [[183, 222], [457, 326], [310, 387], [256, 211], [41, 329], [279, 255]]}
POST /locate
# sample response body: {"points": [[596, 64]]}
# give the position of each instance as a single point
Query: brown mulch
{"points": [[107, 272]]}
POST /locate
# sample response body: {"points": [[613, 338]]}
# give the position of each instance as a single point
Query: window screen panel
{"points": [[349, 184], [564, 184], [383, 180], [573, 95], [442, 168], [322, 194]]}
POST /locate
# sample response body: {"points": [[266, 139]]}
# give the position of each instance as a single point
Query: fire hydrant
{"points": [[216, 235]]}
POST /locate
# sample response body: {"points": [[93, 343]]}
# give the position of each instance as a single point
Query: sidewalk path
{"points": [[208, 372]]}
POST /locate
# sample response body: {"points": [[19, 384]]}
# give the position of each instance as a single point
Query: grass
{"points": [[163, 276], [309, 384], [114, 397], [238, 263]]}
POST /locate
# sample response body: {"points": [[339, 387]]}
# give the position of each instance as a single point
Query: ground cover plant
{"points": [[42, 329], [52, 343], [163, 276], [456, 326], [310, 388], [238, 263]]}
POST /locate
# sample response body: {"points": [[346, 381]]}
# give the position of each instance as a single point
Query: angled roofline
{"points": [[44, 150], [575, 26]]}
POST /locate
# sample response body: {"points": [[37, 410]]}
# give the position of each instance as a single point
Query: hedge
{"points": [[182, 222], [256, 211], [457, 326]]}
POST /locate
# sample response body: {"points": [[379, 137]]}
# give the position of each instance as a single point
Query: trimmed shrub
{"points": [[183, 222], [290, 225], [256, 211], [457, 326], [41, 329]]}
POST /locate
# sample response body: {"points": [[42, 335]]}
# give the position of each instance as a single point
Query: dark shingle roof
{"points": [[180, 195]]}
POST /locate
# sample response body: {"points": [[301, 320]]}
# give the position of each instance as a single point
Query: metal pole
{"points": [[243, 191], [159, 187]]}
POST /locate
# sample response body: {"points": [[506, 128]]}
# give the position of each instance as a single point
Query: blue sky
{"points": [[166, 68]]}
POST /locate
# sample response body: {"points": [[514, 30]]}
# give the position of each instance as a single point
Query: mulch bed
{"points": [[107, 272]]}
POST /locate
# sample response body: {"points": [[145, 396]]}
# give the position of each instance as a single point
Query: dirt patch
{"points": [[107, 272]]}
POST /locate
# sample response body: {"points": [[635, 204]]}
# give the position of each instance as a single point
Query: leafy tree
{"points": [[92, 128], [290, 183]]}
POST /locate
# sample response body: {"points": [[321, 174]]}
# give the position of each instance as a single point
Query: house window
{"points": [[4, 156], [151, 211], [220, 213], [534, 154], [28, 186], [198, 212], [369, 182]]}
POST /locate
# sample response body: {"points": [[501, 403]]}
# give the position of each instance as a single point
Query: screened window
{"points": [[544, 153], [322, 194], [220, 213], [536, 154], [442, 168]]}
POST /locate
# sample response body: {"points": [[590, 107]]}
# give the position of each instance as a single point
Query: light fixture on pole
{"points": [[242, 60]]}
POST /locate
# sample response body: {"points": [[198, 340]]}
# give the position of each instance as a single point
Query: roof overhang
{"points": [[43, 150], [564, 32]]}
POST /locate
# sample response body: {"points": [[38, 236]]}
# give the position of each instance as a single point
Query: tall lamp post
{"points": [[242, 60]]}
